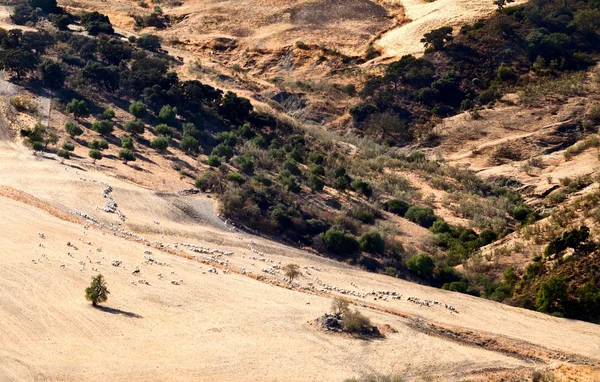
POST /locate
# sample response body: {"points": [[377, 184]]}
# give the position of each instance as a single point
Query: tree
{"points": [[586, 21], [68, 146], [372, 242], [103, 76], [114, 51], [64, 154], [18, 61], [97, 292], [60, 21], [73, 130], [437, 38], [102, 127], [45, 5], [339, 306], [134, 127], [22, 14], [168, 114], [126, 156], [213, 161], [552, 296], [189, 144], [291, 271], [422, 216], [234, 108], [422, 265], [315, 182], [362, 187], [163, 129], [160, 143], [98, 144], [78, 108], [127, 143], [340, 183], [340, 243], [148, 41], [96, 23], [108, 114], [138, 109], [52, 74], [396, 206], [95, 155], [502, 3]]}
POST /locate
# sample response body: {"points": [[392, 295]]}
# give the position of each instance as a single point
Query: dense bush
{"points": [[372, 242], [422, 264], [422, 216], [340, 243]]}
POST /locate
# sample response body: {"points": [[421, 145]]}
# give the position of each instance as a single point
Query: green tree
{"points": [[98, 144], [127, 143], [78, 108], [552, 295], [52, 74], [372, 242], [214, 161], [168, 114], [437, 38], [160, 143], [64, 154], [138, 109], [108, 114], [315, 182], [45, 5], [422, 216], [73, 130], [340, 243], [102, 127], [68, 146], [126, 156], [134, 127], [165, 130], [422, 265], [97, 292], [189, 144], [95, 155]]}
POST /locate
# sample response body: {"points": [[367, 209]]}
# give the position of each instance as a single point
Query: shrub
{"points": [[315, 182], [78, 108], [372, 242], [126, 155], [396, 206], [245, 164], [222, 150], [213, 161], [134, 127], [362, 187], [291, 271], [236, 177], [160, 143], [108, 113], [355, 322], [201, 183], [102, 127], [148, 41], [97, 292], [422, 265], [189, 144], [68, 146], [504, 73], [73, 130], [422, 216], [340, 183], [24, 104], [98, 144], [63, 154], [552, 296], [127, 143], [138, 109], [168, 114], [340, 243], [95, 155], [164, 130]]}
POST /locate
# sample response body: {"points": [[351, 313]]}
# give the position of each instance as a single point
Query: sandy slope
{"points": [[425, 16], [212, 327]]}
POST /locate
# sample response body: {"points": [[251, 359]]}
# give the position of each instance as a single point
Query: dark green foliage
{"points": [[65, 154], [570, 239], [214, 161], [222, 150], [127, 142], [73, 130], [52, 74], [234, 108], [78, 108], [108, 114], [68, 146], [96, 23], [316, 158], [340, 183], [165, 130], [134, 127], [97, 292], [189, 129], [23, 14], [126, 155], [189, 144], [245, 164], [160, 143], [362, 187], [113, 50], [18, 61], [422, 265], [168, 114], [372, 242], [396, 206], [138, 109], [422, 216], [60, 21], [437, 38], [291, 166], [201, 183], [106, 77], [102, 127], [552, 296], [317, 170], [340, 243], [148, 41], [235, 177], [98, 144], [48, 6], [315, 182], [95, 155]]}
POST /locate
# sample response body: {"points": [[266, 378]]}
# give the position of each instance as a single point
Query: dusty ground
{"points": [[225, 326]]}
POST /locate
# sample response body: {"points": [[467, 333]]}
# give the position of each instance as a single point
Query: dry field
{"points": [[225, 325]]}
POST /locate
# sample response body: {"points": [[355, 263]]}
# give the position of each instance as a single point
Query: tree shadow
{"points": [[117, 311]]}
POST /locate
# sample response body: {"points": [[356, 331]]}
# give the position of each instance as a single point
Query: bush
{"points": [[201, 183], [126, 156], [315, 182], [340, 183], [24, 104], [138, 109], [95, 155], [214, 161], [236, 177], [189, 144], [165, 130], [127, 143], [108, 113], [63, 154], [396, 206], [422, 265], [355, 322], [148, 41], [102, 127], [98, 144], [73, 130], [160, 143], [134, 127], [362, 187], [372, 242], [222, 150], [96, 23], [552, 296], [340, 243], [68, 146], [168, 114], [422, 216], [245, 164], [78, 108]]}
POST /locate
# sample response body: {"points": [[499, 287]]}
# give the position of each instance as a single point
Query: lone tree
{"points": [[97, 291], [78, 108], [437, 38], [291, 271], [95, 155]]}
